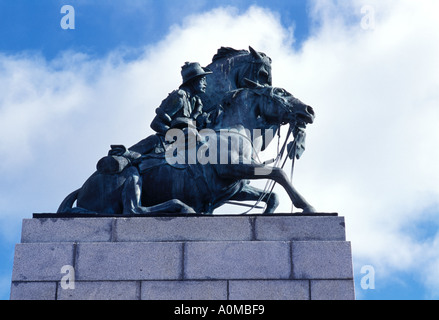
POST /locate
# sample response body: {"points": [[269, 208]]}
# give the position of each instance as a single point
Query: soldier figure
{"points": [[181, 109]]}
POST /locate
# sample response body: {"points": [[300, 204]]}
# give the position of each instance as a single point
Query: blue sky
{"points": [[102, 26], [66, 95]]}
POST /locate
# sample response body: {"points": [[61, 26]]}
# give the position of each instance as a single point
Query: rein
{"points": [[244, 136], [271, 184]]}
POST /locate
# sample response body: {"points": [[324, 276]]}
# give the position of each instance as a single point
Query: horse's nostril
{"points": [[310, 110]]}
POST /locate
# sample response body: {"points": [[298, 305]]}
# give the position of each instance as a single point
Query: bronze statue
{"points": [[206, 147]]}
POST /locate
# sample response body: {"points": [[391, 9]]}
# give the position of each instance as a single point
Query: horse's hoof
{"points": [[268, 212], [309, 209], [188, 210]]}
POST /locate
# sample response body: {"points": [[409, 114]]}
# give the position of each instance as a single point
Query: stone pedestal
{"points": [[278, 257]]}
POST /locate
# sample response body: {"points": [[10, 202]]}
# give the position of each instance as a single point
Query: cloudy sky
{"points": [[370, 69]]}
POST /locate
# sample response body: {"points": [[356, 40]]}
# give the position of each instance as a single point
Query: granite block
{"points": [[41, 261], [237, 260], [66, 230], [269, 290], [129, 261], [285, 228], [33, 291], [101, 290], [332, 290], [183, 229], [184, 290], [322, 260]]}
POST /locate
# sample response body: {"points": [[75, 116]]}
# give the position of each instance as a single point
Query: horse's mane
{"points": [[227, 52]]}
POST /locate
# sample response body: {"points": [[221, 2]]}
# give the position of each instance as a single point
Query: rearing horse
{"points": [[220, 171]]}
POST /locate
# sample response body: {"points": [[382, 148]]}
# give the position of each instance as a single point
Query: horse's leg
{"points": [[131, 199], [250, 193], [131, 192], [258, 172], [171, 206]]}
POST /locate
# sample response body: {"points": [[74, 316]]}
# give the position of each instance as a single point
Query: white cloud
{"points": [[371, 155]]}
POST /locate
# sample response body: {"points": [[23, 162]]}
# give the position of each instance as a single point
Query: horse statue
{"points": [[217, 174], [230, 69], [241, 98]]}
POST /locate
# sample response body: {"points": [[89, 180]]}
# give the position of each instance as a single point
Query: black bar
{"points": [[168, 215]]}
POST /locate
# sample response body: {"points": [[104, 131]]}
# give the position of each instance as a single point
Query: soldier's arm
{"points": [[161, 122], [168, 108], [174, 103]]}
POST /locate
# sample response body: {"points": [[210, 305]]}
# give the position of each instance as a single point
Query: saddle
{"points": [[157, 156]]}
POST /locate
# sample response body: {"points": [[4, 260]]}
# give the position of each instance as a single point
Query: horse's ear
{"points": [[254, 53], [251, 84]]}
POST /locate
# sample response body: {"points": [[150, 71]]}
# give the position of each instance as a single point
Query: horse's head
{"points": [[237, 65], [259, 70], [295, 110], [281, 107], [230, 67]]}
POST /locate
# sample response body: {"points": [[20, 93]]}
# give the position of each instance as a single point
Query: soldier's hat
{"points": [[192, 70]]}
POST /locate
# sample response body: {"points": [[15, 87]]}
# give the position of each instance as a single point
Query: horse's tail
{"points": [[67, 203]]}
